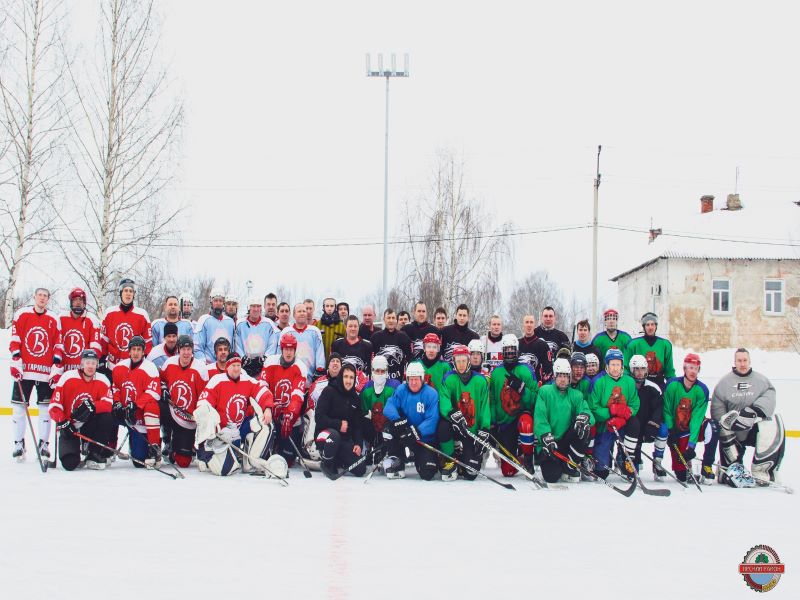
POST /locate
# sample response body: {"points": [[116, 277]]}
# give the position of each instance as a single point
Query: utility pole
{"points": [[594, 240], [388, 72]]}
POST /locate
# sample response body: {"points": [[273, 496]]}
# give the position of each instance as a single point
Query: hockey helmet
{"points": [[380, 363], [637, 362], [415, 369], [578, 358], [288, 341], [431, 338], [137, 340], [476, 346], [614, 354], [561, 367]]}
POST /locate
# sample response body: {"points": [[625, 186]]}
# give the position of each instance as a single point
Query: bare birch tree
{"points": [[454, 252], [33, 123], [530, 296], [127, 126]]}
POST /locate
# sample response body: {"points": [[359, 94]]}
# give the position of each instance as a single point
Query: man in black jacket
{"points": [[392, 344], [418, 329], [457, 333], [546, 330]]}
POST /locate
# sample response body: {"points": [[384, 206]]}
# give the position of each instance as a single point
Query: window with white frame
{"points": [[773, 296], [721, 296]]}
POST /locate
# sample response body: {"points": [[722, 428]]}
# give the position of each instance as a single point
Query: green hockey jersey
{"points": [[471, 398], [608, 390], [506, 403], [685, 410], [434, 374], [657, 351], [604, 343], [556, 411]]}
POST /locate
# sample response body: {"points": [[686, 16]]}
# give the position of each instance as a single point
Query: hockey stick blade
{"points": [[306, 470], [120, 454], [663, 492], [627, 492], [507, 486], [538, 484], [362, 459], [670, 473], [686, 466]]}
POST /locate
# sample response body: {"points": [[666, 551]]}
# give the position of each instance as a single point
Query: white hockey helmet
{"points": [[254, 301], [380, 362], [509, 340], [637, 362], [277, 466], [231, 297], [591, 359], [476, 346], [216, 293], [415, 369], [562, 366], [186, 297]]}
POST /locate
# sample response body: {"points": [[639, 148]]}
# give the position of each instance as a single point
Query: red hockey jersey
{"points": [[73, 389], [287, 384], [184, 384], [77, 334], [36, 339], [231, 399], [140, 385], [118, 329]]}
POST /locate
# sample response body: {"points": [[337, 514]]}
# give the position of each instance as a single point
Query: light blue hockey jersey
{"points": [[208, 330], [184, 328], [256, 340], [309, 348]]}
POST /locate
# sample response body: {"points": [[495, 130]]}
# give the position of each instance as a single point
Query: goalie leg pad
{"points": [[309, 425], [770, 447], [207, 420]]}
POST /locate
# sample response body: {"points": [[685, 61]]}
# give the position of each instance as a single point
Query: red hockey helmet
{"points": [[431, 338], [233, 359], [611, 312], [288, 341], [692, 359], [77, 293], [460, 350]]}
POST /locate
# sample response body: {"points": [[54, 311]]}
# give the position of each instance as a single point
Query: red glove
{"points": [[617, 422], [16, 368], [56, 371], [617, 409], [287, 422]]}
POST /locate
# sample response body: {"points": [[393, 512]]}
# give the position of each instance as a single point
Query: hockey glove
{"points": [[615, 422], [458, 419], [230, 433], [515, 383], [82, 412], [617, 409], [66, 427], [124, 414], [689, 453], [651, 430], [56, 371], [16, 368], [746, 419], [582, 427], [483, 440], [287, 423], [549, 443]]}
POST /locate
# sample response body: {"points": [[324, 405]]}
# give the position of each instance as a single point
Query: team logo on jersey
{"points": [[653, 364], [467, 407], [254, 346], [36, 341], [448, 352], [234, 410], [122, 335], [394, 355], [761, 568], [282, 393], [129, 392], [377, 416], [417, 348], [73, 343], [683, 414], [181, 394], [356, 361], [79, 399], [553, 347], [617, 397], [509, 399], [529, 359]]}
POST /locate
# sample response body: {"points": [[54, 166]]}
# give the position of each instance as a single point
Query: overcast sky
{"points": [[284, 132]]}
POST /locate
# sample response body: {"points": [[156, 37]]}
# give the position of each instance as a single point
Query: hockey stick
{"points": [[510, 456], [670, 473], [761, 482], [54, 463], [260, 461], [122, 455], [686, 466], [508, 486], [627, 492], [42, 464], [125, 456], [306, 470], [362, 459], [648, 491]]}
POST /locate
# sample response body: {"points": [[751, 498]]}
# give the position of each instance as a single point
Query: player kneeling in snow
{"points": [[82, 403], [744, 405], [374, 398], [233, 408], [413, 413], [338, 425], [563, 423]]}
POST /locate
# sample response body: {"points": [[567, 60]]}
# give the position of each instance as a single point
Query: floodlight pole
{"points": [[594, 239], [387, 73]]}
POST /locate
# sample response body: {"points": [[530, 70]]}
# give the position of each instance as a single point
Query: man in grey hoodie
{"points": [[744, 405]]}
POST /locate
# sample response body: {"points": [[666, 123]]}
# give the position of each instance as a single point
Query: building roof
{"points": [[752, 233]]}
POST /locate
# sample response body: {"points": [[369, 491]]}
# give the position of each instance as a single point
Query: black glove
{"points": [[483, 439], [515, 383], [101, 364], [165, 395], [66, 427], [124, 413], [581, 427], [673, 436], [402, 430], [458, 419], [82, 412], [651, 429], [746, 419], [689, 454], [549, 443]]}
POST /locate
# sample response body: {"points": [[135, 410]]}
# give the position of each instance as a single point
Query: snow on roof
{"points": [[752, 233]]}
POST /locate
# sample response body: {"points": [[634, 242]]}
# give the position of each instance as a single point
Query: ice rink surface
{"points": [[128, 533]]}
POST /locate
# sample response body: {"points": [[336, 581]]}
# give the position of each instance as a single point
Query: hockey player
{"points": [[352, 348], [464, 406], [440, 318], [563, 422], [476, 356], [331, 326], [613, 401], [374, 397], [187, 307], [222, 349], [535, 351], [744, 405], [584, 342], [172, 314], [235, 408], [285, 376], [82, 403], [255, 338], [332, 372], [611, 337], [555, 338], [121, 323], [35, 363], [417, 329], [593, 370], [310, 349], [308, 303], [79, 330], [338, 425], [492, 342], [232, 307], [435, 367], [650, 416], [137, 390], [656, 350], [184, 377], [211, 327], [271, 307], [578, 379], [412, 413], [368, 327], [284, 313], [166, 349], [457, 333], [393, 344], [685, 406], [512, 394]]}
